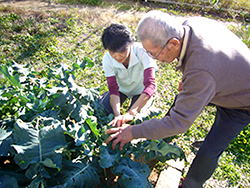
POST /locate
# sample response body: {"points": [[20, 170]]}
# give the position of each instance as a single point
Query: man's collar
{"points": [[184, 46]]}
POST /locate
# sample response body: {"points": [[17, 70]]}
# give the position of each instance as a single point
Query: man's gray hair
{"points": [[159, 27]]}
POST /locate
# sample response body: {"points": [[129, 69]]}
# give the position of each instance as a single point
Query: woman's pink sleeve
{"points": [[149, 81], [113, 86]]}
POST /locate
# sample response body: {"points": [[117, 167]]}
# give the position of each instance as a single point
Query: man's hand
{"points": [[120, 134], [121, 119]]}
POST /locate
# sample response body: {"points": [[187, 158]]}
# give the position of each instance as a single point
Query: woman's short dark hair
{"points": [[117, 37]]}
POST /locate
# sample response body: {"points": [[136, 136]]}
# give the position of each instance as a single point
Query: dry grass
{"points": [[95, 15]]}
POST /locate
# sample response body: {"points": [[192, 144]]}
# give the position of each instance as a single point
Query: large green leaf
{"points": [[38, 146], [4, 134], [18, 175], [70, 104], [82, 136], [108, 157], [163, 147], [7, 181], [13, 79], [38, 182], [92, 123], [76, 174], [5, 142], [85, 63], [132, 174], [35, 169], [162, 150]]}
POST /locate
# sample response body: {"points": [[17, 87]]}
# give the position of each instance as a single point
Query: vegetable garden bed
{"points": [[52, 134]]}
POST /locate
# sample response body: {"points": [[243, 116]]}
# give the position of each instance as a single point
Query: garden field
{"points": [[50, 56]]}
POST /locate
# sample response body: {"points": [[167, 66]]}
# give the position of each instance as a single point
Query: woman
{"points": [[129, 71]]}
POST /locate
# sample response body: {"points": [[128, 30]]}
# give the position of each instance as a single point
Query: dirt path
{"points": [[94, 14]]}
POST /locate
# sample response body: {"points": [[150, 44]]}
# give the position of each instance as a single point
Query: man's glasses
{"points": [[150, 55]]}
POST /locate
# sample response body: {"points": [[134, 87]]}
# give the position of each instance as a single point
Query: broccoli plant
{"points": [[52, 134]]}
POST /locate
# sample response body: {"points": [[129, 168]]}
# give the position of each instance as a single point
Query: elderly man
{"points": [[215, 65]]}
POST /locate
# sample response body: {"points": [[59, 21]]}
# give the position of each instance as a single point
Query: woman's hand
{"points": [[121, 119], [180, 86], [120, 134]]}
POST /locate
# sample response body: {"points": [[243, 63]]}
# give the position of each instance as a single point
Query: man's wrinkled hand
{"points": [[120, 134]]}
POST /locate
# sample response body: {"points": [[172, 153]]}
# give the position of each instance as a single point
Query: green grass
{"points": [[227, 9], [50, 38]]}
